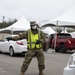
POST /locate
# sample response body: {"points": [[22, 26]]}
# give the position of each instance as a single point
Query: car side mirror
{"points": [[72, 66]]}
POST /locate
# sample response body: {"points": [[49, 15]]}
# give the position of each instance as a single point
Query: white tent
{"points": [[72, 34], [69, 16], [64, 31], [65, 20], [21, 25], [48, 30], [47, 23]]}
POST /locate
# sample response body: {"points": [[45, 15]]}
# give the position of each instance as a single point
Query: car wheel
{"points": [[11, 51], [62, 48]]}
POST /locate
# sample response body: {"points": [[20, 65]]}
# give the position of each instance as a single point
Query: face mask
{"points": [[34, 27]]}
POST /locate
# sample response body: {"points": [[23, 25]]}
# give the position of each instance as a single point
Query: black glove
{"points": [[9, 38], [38, 41]]}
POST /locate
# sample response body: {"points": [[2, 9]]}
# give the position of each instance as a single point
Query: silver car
{"points": [[70, 68]]}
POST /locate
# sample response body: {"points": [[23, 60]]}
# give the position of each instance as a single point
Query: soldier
{"points": [[35, 39]]}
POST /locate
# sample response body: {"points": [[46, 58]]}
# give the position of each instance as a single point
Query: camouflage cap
{"points": [[33, 23]]}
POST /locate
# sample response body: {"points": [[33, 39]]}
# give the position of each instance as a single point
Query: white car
{"points": [[7, 45], [70, 68]]}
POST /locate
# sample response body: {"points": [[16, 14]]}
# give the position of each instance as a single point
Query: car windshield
{"points": [[64, 36]]}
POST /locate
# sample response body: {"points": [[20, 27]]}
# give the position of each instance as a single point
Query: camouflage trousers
{"points": [[38, 53]]}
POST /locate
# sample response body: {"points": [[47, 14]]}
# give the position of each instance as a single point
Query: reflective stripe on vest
{"points": [[32, 40]]}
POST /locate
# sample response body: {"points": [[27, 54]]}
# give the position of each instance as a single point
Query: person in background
{"points": [[35, 38]]}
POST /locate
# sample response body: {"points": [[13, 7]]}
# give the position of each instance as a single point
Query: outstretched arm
{"points": [[20, 36]]}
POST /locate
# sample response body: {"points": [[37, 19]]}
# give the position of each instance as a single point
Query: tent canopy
{"points": [[21, 25], [48, 30], [72, 34], [65, 20], [64, 31], [46, 24], [69, 16]]}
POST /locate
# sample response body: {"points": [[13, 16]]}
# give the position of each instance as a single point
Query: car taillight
{"points": [[19, 43], [69, 41]]}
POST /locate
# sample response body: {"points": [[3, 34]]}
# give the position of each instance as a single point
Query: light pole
{"points": [[3, 18]]}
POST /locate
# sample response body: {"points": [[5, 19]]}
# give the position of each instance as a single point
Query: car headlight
{"points": [[72, 62]]}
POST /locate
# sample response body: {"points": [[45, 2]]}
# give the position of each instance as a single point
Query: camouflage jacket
{"points": [[24, 35]]}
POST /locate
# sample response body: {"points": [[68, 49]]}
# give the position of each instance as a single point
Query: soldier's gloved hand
{"points": [[10, 38], [38, 42]]}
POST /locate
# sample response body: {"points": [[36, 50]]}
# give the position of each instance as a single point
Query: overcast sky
{"points": [[37, 10]]}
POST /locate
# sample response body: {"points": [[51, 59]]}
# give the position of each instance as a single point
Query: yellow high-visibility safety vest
{"points": [[32, 40]]}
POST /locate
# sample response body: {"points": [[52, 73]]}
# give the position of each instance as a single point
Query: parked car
{"points": [[62, 42], [7, 45], [70, 68]]}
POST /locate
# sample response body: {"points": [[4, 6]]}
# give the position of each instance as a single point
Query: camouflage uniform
{"points": [[33, 52]]}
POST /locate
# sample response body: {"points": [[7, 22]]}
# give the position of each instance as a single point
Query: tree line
{"points": [[5, 24]]}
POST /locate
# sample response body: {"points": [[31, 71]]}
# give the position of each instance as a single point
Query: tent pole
{"points": [[12, 31], [56, 34], [64, 29]]}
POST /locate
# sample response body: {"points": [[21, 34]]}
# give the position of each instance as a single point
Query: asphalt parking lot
{"points": [[55, 63]]}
